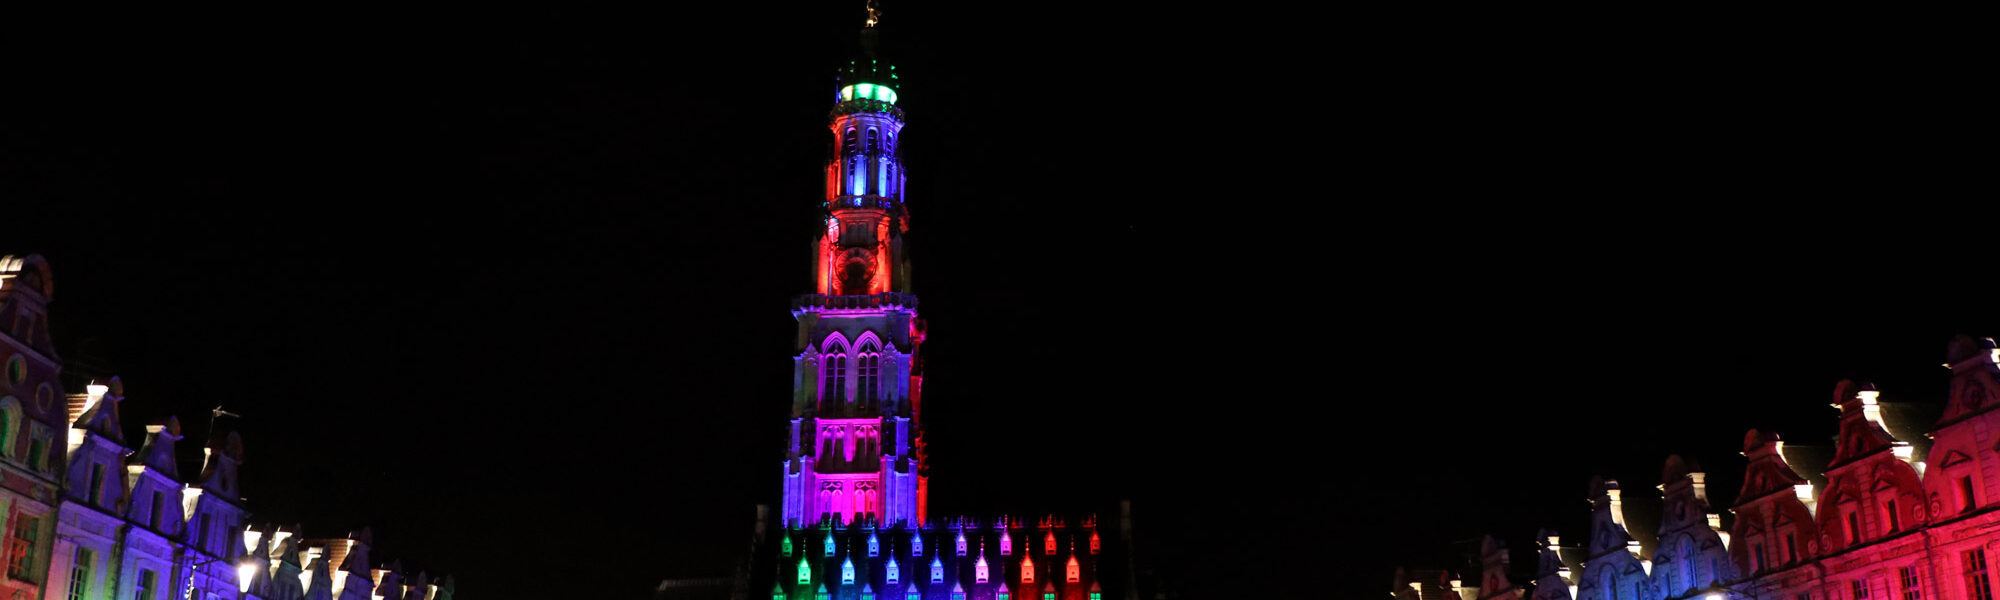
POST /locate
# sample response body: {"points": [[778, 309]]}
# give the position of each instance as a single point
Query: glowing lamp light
{"points": [[868, 91], [243, 574]]}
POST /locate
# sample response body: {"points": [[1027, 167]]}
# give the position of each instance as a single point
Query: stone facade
{"points": [[92, 517], [1886, 524]]}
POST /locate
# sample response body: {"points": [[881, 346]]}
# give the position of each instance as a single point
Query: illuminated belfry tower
{"points": [[855, 455]]}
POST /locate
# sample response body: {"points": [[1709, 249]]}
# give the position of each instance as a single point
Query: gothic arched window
{"points": [[867, 372], [833, 375], [847, 143]]}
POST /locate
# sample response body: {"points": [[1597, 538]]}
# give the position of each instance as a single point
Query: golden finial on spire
{"points": [[874, 13]]}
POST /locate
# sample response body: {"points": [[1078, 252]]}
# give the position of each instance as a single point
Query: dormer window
{"points": [[1006, 544], [874, 545], [847, 571], [979, 570], [1073, 572], [937, 569], [916, 544], [961, 543], [1049, 544], [829, 544], [1027, 570], [895, 572], [785, 545], [805, 571], [1093, 541]]}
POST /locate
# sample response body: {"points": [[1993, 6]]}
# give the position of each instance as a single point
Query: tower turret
{"points": [[854, 445]]}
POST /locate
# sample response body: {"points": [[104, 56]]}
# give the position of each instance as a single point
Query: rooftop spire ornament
{"points": [[874, 13]]}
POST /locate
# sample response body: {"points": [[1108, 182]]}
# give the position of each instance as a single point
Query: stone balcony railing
{"points": [[820, 302]]}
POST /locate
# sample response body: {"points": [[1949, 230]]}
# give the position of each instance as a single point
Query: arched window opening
{"points": [[873, 145], [868, 373], [847, 143], [834, 376]]}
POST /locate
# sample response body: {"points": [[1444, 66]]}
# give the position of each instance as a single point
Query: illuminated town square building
{"points": [[1885, 517], [91, 514], [854, 510]]}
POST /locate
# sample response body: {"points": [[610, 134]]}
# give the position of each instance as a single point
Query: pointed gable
{"points": [[1975, 377], [1493, 567], [1607, 524], [97, 411], [1861, 430], [158, 451], [1767, 473], [218, 474]]}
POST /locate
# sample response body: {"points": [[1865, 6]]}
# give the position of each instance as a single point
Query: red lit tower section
{"points": [[854, 454]]}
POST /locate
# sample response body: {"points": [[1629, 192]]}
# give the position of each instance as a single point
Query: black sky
{"points": [[1319, 292]]}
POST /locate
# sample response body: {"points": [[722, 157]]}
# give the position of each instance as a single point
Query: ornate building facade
{"points": [[854, 507], [91, 517], [1881, 521]]}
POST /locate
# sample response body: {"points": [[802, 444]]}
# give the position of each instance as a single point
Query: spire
{"points": [[874, 14]]}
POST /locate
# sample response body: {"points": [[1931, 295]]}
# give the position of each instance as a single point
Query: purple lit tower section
{"points": [[855, 454]]}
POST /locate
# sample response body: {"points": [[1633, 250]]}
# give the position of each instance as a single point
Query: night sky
{"points": [[1321, 294]]}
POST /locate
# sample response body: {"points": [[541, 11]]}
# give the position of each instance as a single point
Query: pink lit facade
{"points": [[1885, 519]]}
